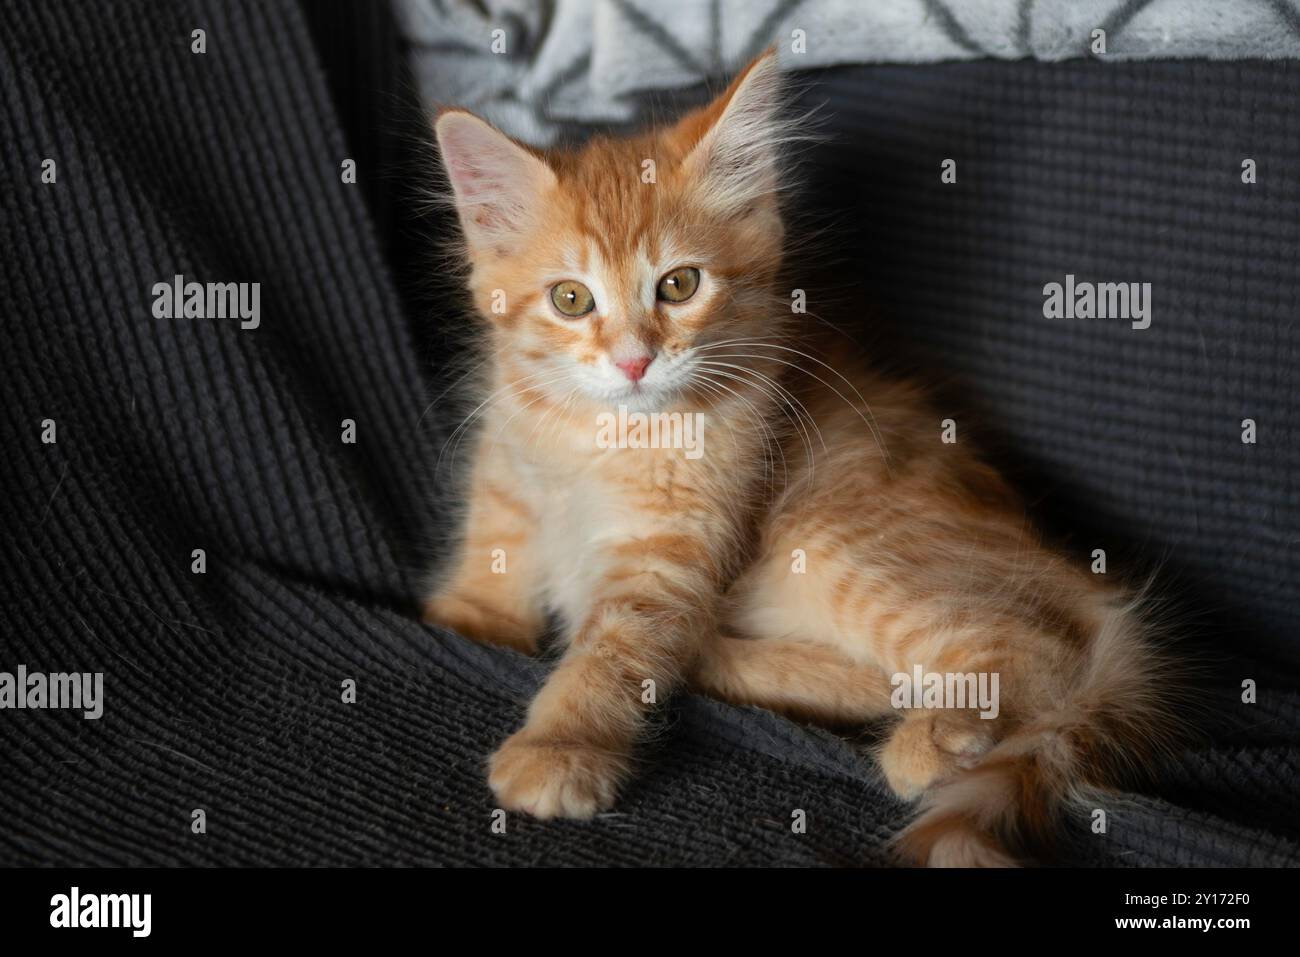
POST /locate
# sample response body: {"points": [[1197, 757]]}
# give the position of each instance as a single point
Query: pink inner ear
{"points": [[495, 180], [465, 173], [475, 182]]}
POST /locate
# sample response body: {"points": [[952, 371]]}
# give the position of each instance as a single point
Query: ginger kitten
{"points": [[823, 539]]}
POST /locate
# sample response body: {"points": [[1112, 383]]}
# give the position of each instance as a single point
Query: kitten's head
{"points": [[610, 272]]}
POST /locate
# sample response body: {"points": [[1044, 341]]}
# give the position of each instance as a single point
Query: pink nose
{"points": [[634, 369]]}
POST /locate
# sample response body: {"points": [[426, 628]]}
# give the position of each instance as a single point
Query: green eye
{"points": [[573, 299], [679, 285]]}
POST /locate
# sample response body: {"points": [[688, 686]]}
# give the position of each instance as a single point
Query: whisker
{"points": [[868, 419], [769, 471], [764, 426], [788, 397], [458, 434], [779, 399]]}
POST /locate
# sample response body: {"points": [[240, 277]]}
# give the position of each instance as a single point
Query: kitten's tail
{"points": [[1115, 717]]}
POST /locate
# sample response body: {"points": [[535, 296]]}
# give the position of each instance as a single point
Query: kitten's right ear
{"points": [[734, 142], [499, 185]]}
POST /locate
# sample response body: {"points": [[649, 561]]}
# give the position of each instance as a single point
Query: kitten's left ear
{"points": [[734, 142], [500, 186]]}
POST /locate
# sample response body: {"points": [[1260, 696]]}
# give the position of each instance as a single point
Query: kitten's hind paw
{"points": [[478, 620], [924, 750], [548, 778]]}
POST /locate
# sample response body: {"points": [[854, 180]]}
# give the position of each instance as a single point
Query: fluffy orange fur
{"points": [[668, 570]]}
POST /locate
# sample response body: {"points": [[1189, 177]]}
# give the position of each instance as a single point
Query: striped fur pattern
{"points": [[824, 541]]}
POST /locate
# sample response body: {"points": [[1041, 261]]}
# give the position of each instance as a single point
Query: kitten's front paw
{"points": [[548, 778]]}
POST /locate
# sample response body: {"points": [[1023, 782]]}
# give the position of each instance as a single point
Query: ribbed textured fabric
{"points": [[223, 690]]}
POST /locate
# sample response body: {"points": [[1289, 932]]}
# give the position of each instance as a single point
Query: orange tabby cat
{"points": [[816, 540]]}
